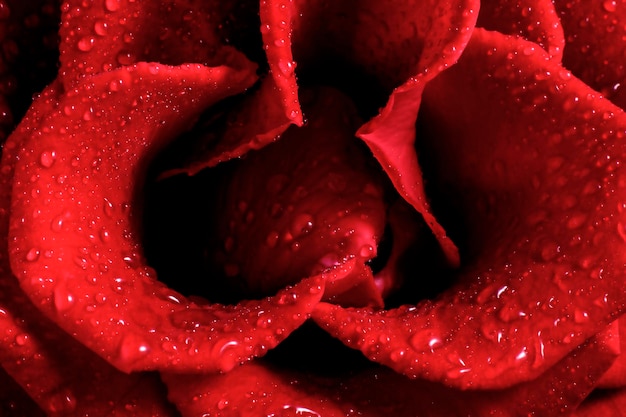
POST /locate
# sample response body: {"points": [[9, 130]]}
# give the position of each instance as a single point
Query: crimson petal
{"points": [[544, 263], [260, 389], [534, 20], [73, 244]]}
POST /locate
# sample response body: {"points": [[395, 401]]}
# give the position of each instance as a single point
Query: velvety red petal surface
{"points": [[260, 389], [74, 246], [534, 20], [543, 262], [595, 38]]}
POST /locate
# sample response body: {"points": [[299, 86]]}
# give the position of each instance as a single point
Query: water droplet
{"points": [[63, 299], [225, 353], [101, 28], [426, 340], [302, 224], [272, 239], [609, 5], [286, 67], [279, 42], [47, 158], [112, 5], [21, 339], [32, 255], [62, 401], [86, 43]]}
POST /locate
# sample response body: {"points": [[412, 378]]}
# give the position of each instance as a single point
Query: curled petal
{"points": [[543, 234], [534, 20], [74, 246]]}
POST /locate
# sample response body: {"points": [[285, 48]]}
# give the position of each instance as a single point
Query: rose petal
{"points": [[74, 247], [603, 403], [534, 20], [28, 32], [261, 389], [60, 374], [615, 377], [102, 36], [14, 401], [594, 50], [542, 209]]}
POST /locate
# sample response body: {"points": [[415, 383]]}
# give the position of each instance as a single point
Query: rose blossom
{"points": [[493, 154]]}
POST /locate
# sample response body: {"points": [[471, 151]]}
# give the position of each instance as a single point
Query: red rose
{"points": [[461, 257]]}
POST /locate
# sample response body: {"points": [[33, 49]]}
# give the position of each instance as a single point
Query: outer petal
{"points": [[258, 389], [102, 36], [75, 248], [542, 209], [595, 40], [534, 20]]}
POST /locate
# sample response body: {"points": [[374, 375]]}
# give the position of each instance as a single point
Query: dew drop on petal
{"points": [[47, 158]]}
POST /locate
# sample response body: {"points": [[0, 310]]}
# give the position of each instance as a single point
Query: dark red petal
{"points": [[533, 156], [256, 389], [534, 20], [611, 403], [102, 36], [615, 377], [595, 39], [29, 40], [74, 246]]}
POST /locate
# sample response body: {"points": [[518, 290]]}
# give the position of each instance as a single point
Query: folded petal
{"points": [[533, 20], [262, 389], [541, 209]]}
